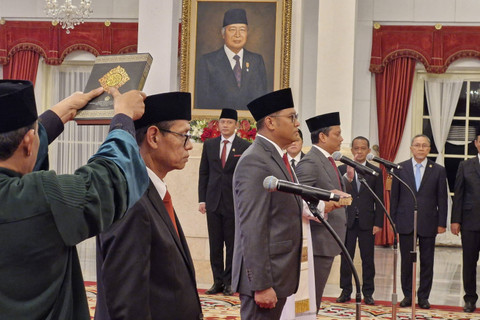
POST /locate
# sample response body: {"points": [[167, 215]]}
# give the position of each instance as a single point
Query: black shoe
{"points": [[216, 288], [227, 291], [343, 298], [469, 307], [406, 302], [369, 300], [423, 303]]}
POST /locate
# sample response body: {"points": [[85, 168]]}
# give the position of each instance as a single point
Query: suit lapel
{"points": [[276, 157], [226, 68], [232, 152], [476, 165], [157, 203], [216, 150], [410, 175], [327, 165], [426, 174]]}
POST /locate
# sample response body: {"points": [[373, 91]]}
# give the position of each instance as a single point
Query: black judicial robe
{"points": [[44, 215]]}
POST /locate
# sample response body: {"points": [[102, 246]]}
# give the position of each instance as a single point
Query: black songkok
{"points": [[17, 105], [323, 121], [271, 103], [229, 114], [234, 16], [166, 107]]}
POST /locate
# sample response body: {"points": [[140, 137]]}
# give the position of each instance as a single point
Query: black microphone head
{"points": [[370, 156], [270, 183], [337, 155]]}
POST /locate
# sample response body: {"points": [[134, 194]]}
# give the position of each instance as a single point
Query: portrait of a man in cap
{"points": [[231, 75]]}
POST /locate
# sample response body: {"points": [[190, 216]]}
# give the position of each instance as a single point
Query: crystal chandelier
{"points": [[68, 14]]}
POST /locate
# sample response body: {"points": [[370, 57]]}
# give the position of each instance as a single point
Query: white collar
{"points": [[279, 150], [159, 184]]}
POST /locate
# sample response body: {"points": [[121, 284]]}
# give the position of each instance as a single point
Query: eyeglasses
{"points": [[422, 146], [187, 136], [293, 117]]}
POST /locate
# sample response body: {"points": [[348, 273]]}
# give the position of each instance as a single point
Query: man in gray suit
{"points": [[318, 169], [268, 225]]}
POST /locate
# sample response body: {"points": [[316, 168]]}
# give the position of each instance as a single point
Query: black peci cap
{"points": [[17, 105], [234, 16], [166, 107], [229, 114], [323, 121], [271, 103]]}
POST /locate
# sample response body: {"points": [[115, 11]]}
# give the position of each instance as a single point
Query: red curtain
{"points": [[394, 87], [23, 65]]}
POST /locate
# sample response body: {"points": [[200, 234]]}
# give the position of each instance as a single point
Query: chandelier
{"points": [[68, 14]]}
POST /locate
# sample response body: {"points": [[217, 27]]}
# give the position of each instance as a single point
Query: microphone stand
{"points": [[413, 253], [312, 205], [395, 244]]}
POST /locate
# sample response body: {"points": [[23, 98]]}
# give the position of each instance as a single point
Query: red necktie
{"points": [[285, 159], [336, 170], [167, 201], [224, 153]]}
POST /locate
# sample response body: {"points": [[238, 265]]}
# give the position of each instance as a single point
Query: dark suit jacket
{"points": [[144, 269], [215, 182], [316, 170], [216, 86], [369, 212], [268, 225], [466, 201], [431, 200]]}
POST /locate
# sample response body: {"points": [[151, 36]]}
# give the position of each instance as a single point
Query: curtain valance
{"points": [[53, 44], [436, 47]]}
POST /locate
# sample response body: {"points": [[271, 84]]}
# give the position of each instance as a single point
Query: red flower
{"points": [[210, 131]]}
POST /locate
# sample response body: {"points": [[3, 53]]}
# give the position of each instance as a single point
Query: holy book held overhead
{"points": [[123, 71]]}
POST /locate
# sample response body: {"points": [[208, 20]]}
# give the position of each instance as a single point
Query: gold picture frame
{"points": [[269, 35]]}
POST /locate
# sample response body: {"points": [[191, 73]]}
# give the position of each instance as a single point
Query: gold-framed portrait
{"points": [[233, 52]]}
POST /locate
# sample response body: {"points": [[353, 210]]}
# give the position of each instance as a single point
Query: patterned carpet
{"points": [[216, 307]]}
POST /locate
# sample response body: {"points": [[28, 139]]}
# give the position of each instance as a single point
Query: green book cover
{"points": [[125, 72]]}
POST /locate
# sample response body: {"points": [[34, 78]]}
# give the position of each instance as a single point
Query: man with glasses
{"points": [[318, 169], [144, 267], [428, 181], [219, 158], [268, 225]]}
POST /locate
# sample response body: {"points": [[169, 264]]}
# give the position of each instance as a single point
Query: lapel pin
{"points": [[430, 166], [247, 64], [233, 149]]}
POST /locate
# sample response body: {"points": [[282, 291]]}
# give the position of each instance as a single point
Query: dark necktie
{"points": [[237, 70], [293, 164], [167, 201], [224, 153], [357, 182], [336, 170], [285, 159]]}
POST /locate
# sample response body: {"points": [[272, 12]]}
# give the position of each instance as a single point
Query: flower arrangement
{"points": [[202, 130]]}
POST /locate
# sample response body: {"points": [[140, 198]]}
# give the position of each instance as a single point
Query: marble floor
{"points": [[447, 279]]}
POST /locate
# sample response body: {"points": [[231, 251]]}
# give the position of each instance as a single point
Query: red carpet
{"points": [[216, 307]]}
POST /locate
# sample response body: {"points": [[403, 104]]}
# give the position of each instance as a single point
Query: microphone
{"points": [[308, 193], [386, 163], [337, 155]]}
